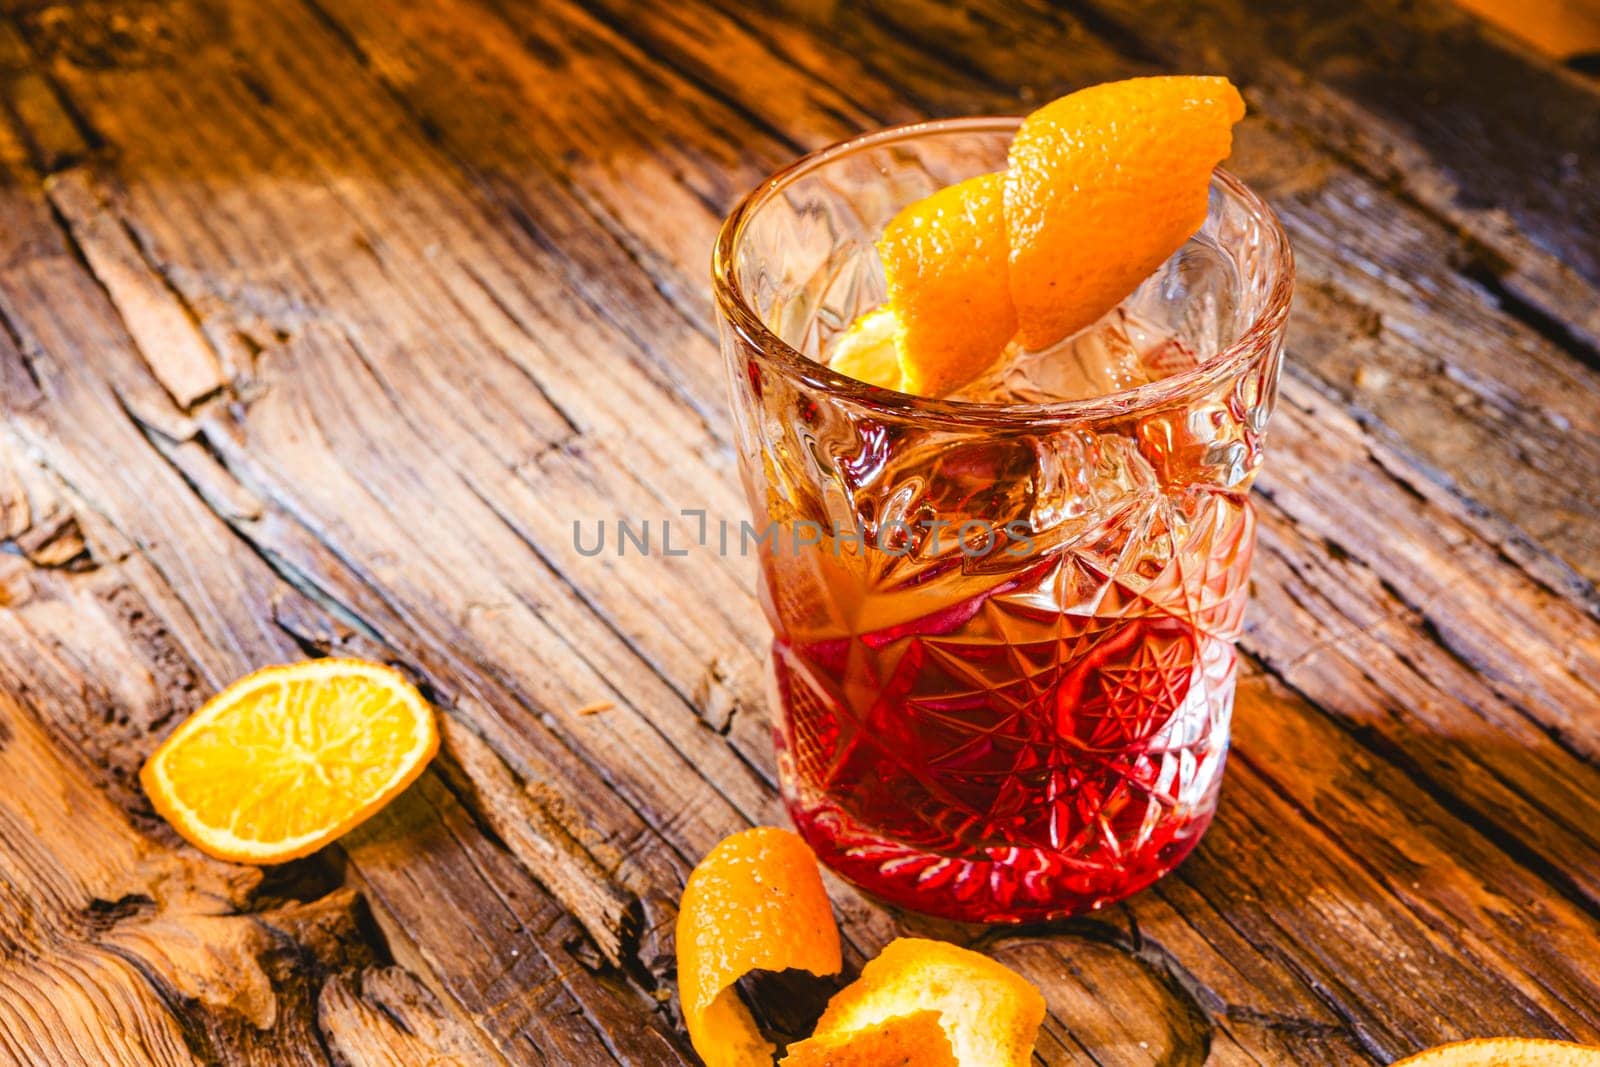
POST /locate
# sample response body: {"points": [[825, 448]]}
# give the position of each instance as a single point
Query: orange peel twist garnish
{"points": [[1100, 187], [944, 259], [756, 902]]}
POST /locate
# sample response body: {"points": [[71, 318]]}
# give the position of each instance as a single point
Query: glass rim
{"points": [[738, 314]]}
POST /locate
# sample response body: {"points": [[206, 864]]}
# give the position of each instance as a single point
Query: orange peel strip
{"points": [[945, 261], [1101, 187], [915, 1040], [1506, 1052], [756, 902], [989, 1013]]}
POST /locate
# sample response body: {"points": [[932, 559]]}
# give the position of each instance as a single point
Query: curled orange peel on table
{"points": [[756, 902], [1101, 187]]}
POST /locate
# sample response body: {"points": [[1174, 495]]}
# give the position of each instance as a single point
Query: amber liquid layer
{"points": [[1016, 743]]}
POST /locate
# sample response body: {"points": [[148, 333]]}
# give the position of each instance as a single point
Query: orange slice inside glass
{"points": [[756, 902], [944, 258], [288, 758], [866, 351]]}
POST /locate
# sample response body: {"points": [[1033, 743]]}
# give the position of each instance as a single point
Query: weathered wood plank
{"points": [[446, 329], [539, 838], [383, 1017], [125, 953], [184, 364], [511, 958], [66, 415]]}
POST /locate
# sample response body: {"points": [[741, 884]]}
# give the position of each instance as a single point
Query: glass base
{"points": [[1011, 885], [972, 811]]}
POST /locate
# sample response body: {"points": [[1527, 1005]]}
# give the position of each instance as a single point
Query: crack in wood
{"points": [[716, 697], [385, 1017], [164, 327], [18, 358], [535, 828], [1183, 1005], [1491, 273]]}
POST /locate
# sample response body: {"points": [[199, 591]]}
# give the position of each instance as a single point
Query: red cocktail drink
{"points": [[1003, 621]]}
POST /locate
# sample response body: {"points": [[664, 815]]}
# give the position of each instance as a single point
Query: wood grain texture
{"points": [[324, 321]]}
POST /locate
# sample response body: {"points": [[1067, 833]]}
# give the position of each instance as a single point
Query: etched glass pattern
{"points": [[1003, 631]]}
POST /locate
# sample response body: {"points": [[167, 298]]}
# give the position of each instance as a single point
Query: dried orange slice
{"points": [[990, 1013], [1506, 1052], [1102, 186], [867, 349], [288, 758], [944, 258], [915, 1040], [756, 902]]}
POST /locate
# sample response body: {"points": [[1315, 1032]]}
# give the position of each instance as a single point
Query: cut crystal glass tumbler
{"points": [[1003, 632]]}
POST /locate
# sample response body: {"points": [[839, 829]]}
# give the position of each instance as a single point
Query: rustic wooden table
{"points": [[324, 320]]}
